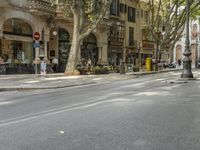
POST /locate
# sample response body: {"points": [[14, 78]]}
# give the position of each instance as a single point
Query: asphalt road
{"points": [[152, 112]]}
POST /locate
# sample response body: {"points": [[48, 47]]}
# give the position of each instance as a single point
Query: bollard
{"points": [[122, 67]]}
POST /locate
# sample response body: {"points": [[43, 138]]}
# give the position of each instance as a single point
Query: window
{"points": [[146, 17], [114, 8], [142, 14], [131, 36], [122, 8], [131, 14], [17, 49]]}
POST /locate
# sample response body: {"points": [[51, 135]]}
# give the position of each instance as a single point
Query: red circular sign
{"points": [[36, 36]]}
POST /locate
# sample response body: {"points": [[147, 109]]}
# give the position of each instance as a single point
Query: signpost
{"points": [[36, 45]]}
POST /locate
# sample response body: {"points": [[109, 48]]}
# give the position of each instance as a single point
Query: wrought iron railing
{"points": [[113, 40], [41, 6]]}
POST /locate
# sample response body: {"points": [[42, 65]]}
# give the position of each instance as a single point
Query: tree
{"points": [[169, 17], [86, 16]]}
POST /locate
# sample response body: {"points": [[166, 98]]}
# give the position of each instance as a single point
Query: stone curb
{"points": [[71, 85], [152, 72], [39, 88]]}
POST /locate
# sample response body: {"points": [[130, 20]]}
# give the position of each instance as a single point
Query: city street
{"points": [[149, 112]]}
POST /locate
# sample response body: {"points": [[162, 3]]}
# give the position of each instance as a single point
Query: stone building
{"points": [[194, 45], [118, 37]]}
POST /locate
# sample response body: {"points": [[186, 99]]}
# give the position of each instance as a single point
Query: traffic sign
{"points": [[36, 45], [36, 36]]}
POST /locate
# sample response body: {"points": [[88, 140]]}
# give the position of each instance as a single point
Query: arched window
{"points": [[89, 49], [63, 35], [90, 39], [18, 41], [64, 48], [16, 26]]}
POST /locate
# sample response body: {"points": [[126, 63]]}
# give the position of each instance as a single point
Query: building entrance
{"points": [[89, 49], [63, 48]]}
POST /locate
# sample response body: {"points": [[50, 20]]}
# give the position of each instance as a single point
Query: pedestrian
{"points": [[55, 64], [89, 62], [179, 62]]}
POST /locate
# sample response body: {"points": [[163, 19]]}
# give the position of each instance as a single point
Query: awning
{"points": [[18, 38]]}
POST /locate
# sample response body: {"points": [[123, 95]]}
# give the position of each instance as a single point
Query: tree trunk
{"points": [[72, 60]]}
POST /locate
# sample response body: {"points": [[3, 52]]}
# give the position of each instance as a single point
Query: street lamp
{"points": [[140, 56], [187, 73], [158, 34]]}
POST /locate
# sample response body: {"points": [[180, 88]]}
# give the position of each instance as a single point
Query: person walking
{"points": [[179, 62], [55, 64]]}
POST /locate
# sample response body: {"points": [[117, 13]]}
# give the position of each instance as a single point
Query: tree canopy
{"points": [[169, 17], [86, 16]]}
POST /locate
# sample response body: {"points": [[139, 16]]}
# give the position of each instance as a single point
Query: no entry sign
{"points": [[36, 36]]}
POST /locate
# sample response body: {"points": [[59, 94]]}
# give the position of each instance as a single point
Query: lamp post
{"points": [[139, 57], [158, 33], [187, 73]]}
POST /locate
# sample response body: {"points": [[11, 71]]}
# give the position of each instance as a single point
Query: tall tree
{"points": [[86, 16], [169, 17]]}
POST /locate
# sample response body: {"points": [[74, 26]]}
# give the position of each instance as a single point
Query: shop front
{"points": [[89, 50], [147, 50], [63, 48], [59, 47], [114, 56], [17, 52]]}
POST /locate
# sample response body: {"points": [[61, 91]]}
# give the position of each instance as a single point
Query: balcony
{"points": [[148, 45], [41, 7], [132, 44], [115, 41]]}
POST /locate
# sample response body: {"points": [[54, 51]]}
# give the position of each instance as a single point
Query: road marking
{"points": [[60, 78], [59, 110], [61, 132], [6, 102], [33, 81], [96, 79]]}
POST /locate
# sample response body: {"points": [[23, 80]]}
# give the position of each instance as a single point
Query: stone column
{"points": [[1, 31]]}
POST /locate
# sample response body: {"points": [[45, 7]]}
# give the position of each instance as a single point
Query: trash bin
{"points": [[148, 64]]}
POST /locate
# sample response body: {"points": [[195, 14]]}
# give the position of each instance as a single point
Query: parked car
{"points": [[171, 65]]}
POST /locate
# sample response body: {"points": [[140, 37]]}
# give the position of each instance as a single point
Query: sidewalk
{"points": [[53, 81]]}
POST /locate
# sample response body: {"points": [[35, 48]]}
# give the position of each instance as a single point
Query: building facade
{"points": [[194, 45], [118, 37]]}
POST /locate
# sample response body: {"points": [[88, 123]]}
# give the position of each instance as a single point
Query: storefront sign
{"points": [[36, 36]]}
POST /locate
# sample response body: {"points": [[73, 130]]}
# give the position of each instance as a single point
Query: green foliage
{"points": [[86, 16], [170, 14], [101, 70], [88, 10]]}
